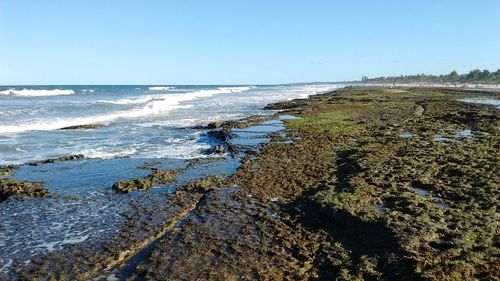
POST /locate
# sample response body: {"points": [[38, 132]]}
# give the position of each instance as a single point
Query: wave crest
{"points": [[158, 105], [160, 88], [36, 93]]}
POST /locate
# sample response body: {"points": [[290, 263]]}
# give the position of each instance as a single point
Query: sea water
{"points": [[137, 121]]}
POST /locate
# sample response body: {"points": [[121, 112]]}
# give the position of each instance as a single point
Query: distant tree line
{"points": [[475, 76]]}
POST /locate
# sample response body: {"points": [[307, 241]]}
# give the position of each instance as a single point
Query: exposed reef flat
{"points": [[359, 188]]}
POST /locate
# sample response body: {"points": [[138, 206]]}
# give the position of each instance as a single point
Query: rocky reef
{"points": [[19, 188], [375, 184], [7, 170], [157, 177], [82, 127], [58, 159]]}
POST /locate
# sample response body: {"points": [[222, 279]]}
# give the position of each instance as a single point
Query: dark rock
{"points": [[220, 134], [220, 149], [13, 187], [285, 105], [219, 124], [59, 159], [79, 127], [215, 125], [7, 170], [158, 177], [209, 183], [126, 186]]}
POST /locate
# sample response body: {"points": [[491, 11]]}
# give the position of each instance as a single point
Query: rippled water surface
{"points": [[137, 121]]}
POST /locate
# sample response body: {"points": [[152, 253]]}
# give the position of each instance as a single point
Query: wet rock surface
{"points": [[7, 170], [220, 134], [287, 105], [142, 227], [59, 159], [305, 210], [157, 177], [82, 127], [19, 188]]}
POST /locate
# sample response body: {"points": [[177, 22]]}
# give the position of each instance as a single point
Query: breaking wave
{"points": [[160, 88], [36, 93], [493, 102], [158, 105]]}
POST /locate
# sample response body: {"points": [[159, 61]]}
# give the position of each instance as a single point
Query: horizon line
{"points": [[166, 84]]}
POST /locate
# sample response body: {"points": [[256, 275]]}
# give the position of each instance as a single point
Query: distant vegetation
{"points": [[475, 76]]}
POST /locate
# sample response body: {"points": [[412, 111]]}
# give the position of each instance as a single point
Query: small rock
{"points": [[158, 177], [7, 170], [220, 134], [215, 125], [418, 110], [59, 159], [85, 127], [220, 149], [13, 187]]}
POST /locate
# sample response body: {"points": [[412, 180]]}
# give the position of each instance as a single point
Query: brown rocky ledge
{"points": [[58, 159], [82, 127], [12, 187], [7, 170], [157, 177]]}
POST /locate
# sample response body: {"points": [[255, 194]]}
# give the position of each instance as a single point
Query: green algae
{"points": [[350, 157], [157, 177]]}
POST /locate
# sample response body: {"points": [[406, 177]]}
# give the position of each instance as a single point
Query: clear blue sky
{"points": [[241, 41]]}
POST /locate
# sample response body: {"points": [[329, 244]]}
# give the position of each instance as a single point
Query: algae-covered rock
{"points": [[80, 127], [220, 134], [215, 125], [13, 187], [218, 149], [7, 170], [418, 110], [204, 185], [286, 105], [157, 177], [59, 159]]}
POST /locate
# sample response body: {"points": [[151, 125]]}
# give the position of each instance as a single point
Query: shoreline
{"points": [[456, 86], [361, 191]]}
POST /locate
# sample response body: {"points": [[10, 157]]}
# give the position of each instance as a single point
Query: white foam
{"points": [[107, 153], [160, 88], [317, 89], [36, 93], [483, 101], [128, 100], [181, 149], [154, 107], [55, 245], [6, 265]]}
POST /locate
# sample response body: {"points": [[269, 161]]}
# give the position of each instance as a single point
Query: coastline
{"points": [[458, 86], [361, 190]]}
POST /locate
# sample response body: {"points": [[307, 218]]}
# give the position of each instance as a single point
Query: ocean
{"points": [[138, 121]]}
